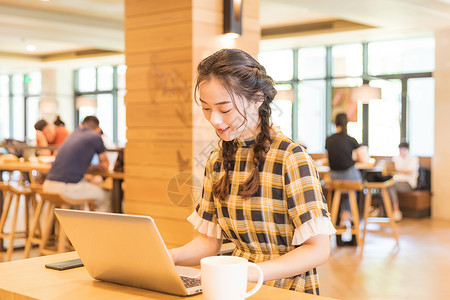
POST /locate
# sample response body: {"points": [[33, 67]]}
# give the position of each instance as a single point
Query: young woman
{"points": [[340, 147], [260, 190]]}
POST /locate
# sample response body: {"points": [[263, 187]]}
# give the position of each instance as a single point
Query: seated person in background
{"points": [[48, 134], [340, 147], [59, 122], [406, 174], [73, 160]]}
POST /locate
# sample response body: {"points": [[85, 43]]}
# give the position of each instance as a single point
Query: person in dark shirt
{"points": [[340, 147], [73, 160]]}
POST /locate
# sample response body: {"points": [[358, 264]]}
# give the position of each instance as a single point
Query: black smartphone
{"points": [[65, 265]]}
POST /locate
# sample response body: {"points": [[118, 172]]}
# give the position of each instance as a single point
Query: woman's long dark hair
{"points": [[243, 76], [341, 120]]}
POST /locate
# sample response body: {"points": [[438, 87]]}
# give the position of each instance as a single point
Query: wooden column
{"points": [[440, 204], [168, 138]]}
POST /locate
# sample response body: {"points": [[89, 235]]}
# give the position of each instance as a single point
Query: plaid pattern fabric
{"points": [[262, 227]]}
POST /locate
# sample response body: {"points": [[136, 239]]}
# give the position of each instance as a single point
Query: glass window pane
{"points": [[86, 80], [421, 116], [282, 109], [347, 60], [121, 71], [311, 115], [33, 115], [121, 119], [105, 114], [105, 78], [384, 118], [339, 92], [279, 64], [17, 87], [4, 85], [4, 118], [34, 83], [311, 63], [404, 56], [18, 118], [85, 111]]}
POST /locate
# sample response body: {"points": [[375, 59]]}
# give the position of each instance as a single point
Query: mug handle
{"points": [[260, 280]]}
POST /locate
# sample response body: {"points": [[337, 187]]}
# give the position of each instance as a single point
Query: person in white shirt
{"points": [[407, 172]]}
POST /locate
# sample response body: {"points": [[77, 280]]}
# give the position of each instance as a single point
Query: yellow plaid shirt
{"points": [[262, 227]]}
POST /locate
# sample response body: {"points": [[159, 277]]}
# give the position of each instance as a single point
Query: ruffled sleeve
{"points": [[307, 207], [313, 227], [211, 229], [204, 217]]}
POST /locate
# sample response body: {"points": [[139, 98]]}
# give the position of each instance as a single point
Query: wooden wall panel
{"points": [[158, 134], [151, 172], [160, 211], [158, 19], [149, 7], [176, 114], [160, 57], [153, 153], [168, 138], [172, 78], [158, 38]]}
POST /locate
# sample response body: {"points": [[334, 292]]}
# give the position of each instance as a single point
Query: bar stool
{"points": [[350, 187], [10, 193], [52, 201], [383, 186]]}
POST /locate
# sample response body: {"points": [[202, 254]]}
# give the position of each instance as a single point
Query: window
{"points": [[311, 115], [282, 109], [18, 107], [396, 57], [105, 86], [421, 116], [278, 64], [87, 80], [384, 118], [402, 69], [311, 63], [347, 60], [354, 129], [4, 107]]}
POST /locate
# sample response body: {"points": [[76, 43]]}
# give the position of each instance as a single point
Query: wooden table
{"points": [[117, 193], [29, 279]]}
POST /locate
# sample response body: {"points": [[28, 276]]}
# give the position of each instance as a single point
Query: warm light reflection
{"points": [[232, 35], [227, 41]]}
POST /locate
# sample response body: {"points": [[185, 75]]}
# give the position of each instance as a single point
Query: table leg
{"points": [[117, 196]]}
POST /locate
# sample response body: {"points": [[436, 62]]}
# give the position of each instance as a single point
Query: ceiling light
{"points": [[31, 47]]}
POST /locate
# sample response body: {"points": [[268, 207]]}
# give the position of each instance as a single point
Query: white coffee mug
{"points": [[225, 278]]}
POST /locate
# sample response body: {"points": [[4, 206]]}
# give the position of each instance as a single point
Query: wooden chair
{"points": [[350, 187], [11, 194], [52, 201], [383, 186]]}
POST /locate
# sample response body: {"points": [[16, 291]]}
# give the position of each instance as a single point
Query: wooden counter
{"points": [[29, 279]]}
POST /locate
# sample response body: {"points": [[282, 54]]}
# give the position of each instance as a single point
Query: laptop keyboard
{"points": [[190, 282]]}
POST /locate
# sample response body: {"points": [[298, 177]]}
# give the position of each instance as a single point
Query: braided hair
{"points": [[243, 76]]}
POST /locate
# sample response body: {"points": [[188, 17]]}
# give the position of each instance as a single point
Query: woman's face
{"points": [[227, 119]]}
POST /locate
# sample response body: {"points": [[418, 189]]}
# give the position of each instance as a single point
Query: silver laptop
{"points": [[128, 250]]}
